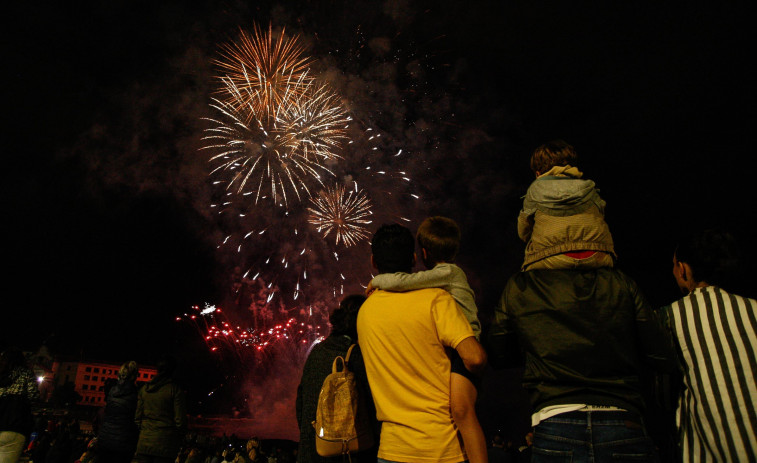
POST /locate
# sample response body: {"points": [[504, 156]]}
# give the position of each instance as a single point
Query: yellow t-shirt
{"points": [[402, 337]]}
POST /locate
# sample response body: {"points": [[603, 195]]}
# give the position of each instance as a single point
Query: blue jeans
{"points": [[590, 437]]}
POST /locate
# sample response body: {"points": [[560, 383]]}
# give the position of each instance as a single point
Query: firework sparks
{"points": [[343, 212], [268, 71], [243, 338], [275, 127], [315, 123], [279, 149]]}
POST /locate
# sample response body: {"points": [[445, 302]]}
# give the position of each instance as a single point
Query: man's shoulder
{"points": [[601, 279], [610, 273], [381, 299], [420, 294]]}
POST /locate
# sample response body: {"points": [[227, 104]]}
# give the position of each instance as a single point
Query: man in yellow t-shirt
{"points": [[403, 337]]}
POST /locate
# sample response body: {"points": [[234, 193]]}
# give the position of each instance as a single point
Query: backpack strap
{"points": [[349, 352], [335, 365]]}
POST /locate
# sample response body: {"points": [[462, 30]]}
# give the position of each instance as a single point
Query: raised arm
{"points": [[434, 278]]}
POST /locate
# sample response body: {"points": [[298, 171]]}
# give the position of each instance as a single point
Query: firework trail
{"points": [[344, 213]]}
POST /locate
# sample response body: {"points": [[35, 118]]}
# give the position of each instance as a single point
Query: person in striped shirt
{"points": [[714, 331]]}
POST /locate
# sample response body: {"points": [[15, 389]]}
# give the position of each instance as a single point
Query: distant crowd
{"points": [[59, 438], [581, 330]]}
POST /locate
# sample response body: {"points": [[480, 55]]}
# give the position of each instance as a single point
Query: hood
{"points": [[561, 191], [563, 171], [561, 194]]}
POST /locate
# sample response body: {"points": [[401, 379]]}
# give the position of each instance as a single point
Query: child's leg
{"points": [[563, 262], [463, 403], [598, 260]]}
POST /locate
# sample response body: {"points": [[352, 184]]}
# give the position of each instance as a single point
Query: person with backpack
{"points": [[318, 366]]}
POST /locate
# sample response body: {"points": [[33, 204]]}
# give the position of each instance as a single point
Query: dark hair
{"points": [[344, 319], [393, 247], [440, 237], [554, 153], [712, 255], [166, 365]]}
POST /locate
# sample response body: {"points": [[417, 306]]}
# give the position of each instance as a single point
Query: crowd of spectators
{"points": [[66, 439]]}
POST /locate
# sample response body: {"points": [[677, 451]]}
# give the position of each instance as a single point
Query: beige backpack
{"points": [[342, 425]]}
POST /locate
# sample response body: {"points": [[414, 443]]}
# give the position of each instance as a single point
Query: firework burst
{"points": [[315, 123], [242, 338], [343, 212], [280, 150], [269, 71]]}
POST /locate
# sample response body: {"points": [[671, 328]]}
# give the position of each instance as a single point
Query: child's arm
{"points": [[435, 278], [525, 226]]}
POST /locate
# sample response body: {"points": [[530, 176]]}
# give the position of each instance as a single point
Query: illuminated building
{"points": [[90, 378]]}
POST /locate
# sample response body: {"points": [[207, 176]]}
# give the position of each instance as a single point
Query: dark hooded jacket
{"points": [[118, 433], [161, 417]]}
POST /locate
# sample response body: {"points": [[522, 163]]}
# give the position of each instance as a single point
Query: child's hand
{"points": [[369, 289]]}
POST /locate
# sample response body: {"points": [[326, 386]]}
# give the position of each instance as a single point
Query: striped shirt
{"points": [[717, 410]]}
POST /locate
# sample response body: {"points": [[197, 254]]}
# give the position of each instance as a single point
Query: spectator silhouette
{"points": [[715, 332], [318, 365], [18, 388], [117, 435], [161, 416]]}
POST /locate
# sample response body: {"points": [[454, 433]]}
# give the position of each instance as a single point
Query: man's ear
{"points": [[423, 254], [689, 275]]}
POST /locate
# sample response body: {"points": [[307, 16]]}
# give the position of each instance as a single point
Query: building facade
{"points": [[91, 379]]}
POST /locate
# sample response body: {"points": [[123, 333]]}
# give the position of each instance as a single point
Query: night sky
{"points": [[107, 231]]}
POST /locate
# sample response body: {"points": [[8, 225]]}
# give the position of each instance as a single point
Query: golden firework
{"points": [[343, 212], [269, 71]]}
